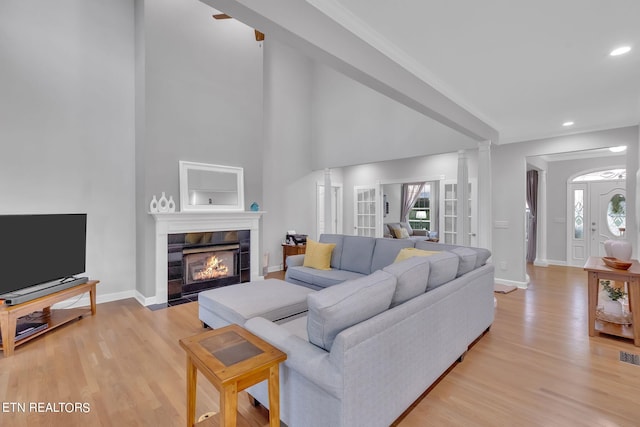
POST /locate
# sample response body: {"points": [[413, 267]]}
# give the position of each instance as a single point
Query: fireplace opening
{"points": [[204, 264], [201, 261]]}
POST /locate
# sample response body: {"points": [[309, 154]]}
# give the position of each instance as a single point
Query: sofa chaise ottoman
{"points": [[272, 299]]}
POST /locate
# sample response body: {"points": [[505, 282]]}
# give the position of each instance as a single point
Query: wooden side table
{"points": [[9, 314], [597, 270], [288, 250], [232, 359]]}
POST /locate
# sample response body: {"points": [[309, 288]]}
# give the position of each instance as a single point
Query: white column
{"points": [[462, 215], [541, 239], [484, 195], [328, 220]]}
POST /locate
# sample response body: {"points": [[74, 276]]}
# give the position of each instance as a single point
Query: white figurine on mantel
{"points": [[171, 204], [153, 206], [163, 204]]}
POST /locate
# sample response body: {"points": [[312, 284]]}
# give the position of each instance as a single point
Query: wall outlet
{"points": [[503, 265]]}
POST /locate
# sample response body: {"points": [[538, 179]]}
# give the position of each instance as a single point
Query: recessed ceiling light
{"points": [[620, 50], [566, 124], [618, 149]]}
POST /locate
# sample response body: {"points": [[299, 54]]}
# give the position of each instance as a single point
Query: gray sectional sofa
{"points": [[357, 256], [378, 333]]}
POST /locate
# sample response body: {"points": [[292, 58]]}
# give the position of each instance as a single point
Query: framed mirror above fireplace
{"points": [[206, 187]]}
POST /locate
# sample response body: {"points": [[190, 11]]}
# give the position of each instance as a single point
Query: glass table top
{"points": [[230, 348]]}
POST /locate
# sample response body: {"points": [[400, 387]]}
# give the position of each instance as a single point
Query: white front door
{"points": [[605, 221], [595, 215]]}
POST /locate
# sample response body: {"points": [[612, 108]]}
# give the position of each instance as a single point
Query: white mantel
{"points": [[193, 222]]}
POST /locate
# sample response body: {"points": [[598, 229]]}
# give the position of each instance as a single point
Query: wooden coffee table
{"points": [[597, 271], [232, 359]]}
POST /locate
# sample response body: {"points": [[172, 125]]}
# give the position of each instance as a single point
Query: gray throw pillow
{"points": [[412, 275], [341, 306]]}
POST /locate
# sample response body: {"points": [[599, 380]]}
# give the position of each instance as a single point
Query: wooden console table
{"points": [[289, 250], [597, 270], [232, 359], [9, 314]]}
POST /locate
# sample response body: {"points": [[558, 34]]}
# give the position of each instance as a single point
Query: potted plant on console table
{"points": [[612, 308]]}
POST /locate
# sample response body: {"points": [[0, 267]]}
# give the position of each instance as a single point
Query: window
{"points": [[616, 215], [421, 213], [606, 175], [578, 214]]}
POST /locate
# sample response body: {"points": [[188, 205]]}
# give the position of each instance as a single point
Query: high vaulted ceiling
{"points": [[524, 67], [512, 68]]}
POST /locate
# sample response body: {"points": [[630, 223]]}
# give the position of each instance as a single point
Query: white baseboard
{"points": [[521, 285], [84, 301], [142, 300], [274, 268], [541, 262], [557, 262]]}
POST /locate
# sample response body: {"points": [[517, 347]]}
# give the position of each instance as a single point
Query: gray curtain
{"points": [[410, 193], [532, 201]]}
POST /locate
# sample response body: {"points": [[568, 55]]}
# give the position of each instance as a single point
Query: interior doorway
{"points": [[596, 212]]}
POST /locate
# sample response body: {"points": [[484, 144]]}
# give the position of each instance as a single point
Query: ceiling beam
{"points": [[304, 27]]}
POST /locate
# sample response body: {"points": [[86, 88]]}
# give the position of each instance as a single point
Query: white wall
{"points": [[353, 124], [508, 181], [67, 123], [202, 102], [288, 182]]}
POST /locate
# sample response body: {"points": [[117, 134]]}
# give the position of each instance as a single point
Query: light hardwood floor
{"points": [[536, 367]]}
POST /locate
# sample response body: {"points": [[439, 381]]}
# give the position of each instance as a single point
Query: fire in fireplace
{"points": [[209, 263], [212, 268], [199, 261]]}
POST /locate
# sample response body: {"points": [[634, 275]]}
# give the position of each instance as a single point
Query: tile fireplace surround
{"points": [[193, 222]]}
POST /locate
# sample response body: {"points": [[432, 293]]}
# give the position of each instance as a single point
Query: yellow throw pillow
{"points": [[407, 253], [401, 233], [318, 255]]}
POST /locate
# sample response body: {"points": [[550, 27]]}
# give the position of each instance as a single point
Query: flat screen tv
{"points": [[40, 249]]}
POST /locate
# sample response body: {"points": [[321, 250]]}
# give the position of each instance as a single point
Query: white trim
{"points": [[558, 262], [275, 268], [190, 222], [521, 285]]}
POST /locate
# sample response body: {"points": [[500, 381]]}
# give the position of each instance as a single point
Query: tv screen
{"points": [[36, 249]]}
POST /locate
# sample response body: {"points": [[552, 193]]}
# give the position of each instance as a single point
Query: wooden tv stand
{"points": [[9, 314]]}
